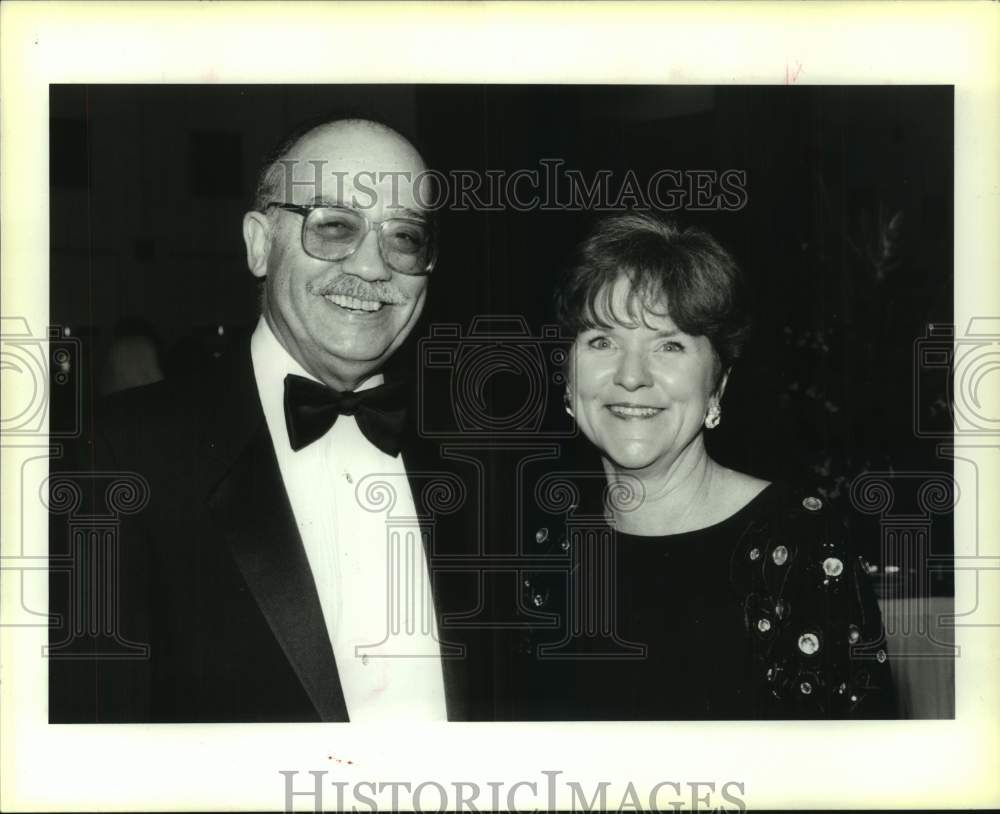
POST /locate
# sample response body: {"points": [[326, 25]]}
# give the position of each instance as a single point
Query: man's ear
{"points": [[257, 236]]}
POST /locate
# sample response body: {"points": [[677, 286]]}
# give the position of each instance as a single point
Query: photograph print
{"points": [[501, 403]]}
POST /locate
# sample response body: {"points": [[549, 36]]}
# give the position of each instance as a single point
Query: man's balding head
{"points": [[273, 176]]}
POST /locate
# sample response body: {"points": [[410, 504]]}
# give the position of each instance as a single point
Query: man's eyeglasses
{"points": [[406, 245]]}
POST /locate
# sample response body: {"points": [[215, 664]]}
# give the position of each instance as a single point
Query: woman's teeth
{"points": [[623, 411], [353, 303]]}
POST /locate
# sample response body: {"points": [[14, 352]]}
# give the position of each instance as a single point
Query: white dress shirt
{"points": [[365, 553]]}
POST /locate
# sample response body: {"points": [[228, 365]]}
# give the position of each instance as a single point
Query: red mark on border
{"points": [[792, 74]]}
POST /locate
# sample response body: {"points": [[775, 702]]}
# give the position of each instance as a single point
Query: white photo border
{"points": [[236, 767]]}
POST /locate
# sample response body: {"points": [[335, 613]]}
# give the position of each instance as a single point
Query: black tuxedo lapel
{"points": [[251, 509], [419, 466]]}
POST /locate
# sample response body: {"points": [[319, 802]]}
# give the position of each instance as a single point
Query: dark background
{"points": [[846, 236]]}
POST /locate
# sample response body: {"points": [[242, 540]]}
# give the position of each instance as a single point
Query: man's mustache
{"points": [[348, 285]]}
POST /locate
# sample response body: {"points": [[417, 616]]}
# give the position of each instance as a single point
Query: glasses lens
{"points": [[407, 245], [406, 237], [332, 233]]}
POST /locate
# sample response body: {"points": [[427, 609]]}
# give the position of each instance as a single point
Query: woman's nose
{"points": [[633, 371], [366, 261]]}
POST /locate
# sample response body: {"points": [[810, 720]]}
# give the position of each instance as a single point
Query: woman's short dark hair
{"points": [[684, 269]]}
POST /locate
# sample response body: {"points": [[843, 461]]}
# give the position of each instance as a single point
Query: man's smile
{"points": [[354, 304]]}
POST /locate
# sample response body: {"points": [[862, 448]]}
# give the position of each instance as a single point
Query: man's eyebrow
{"points": [[394, 211], [322, 200], [406, 212]]}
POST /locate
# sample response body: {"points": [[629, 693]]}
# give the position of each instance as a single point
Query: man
{"points": [[284, 567]]}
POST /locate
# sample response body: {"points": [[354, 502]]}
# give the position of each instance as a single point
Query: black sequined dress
{"points": [[767, 614]]}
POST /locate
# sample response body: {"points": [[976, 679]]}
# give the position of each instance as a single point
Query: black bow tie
{"points": [[312, 408]]}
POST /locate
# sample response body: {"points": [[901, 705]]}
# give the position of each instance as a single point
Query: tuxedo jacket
{"points": [[180, 589]]}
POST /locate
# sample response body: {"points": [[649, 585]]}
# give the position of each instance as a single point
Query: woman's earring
{"points": [[568, 403], [714, 417]]}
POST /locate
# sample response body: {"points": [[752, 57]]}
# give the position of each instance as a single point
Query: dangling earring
{"points": [[714, 417], [568, 403]]}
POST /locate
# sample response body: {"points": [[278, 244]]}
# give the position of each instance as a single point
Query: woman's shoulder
{"points": [[783, 500], [742, 482], [810, 609], [788, 522], [736, 491]]}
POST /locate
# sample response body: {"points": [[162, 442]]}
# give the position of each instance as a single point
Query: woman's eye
{"points": [[671, 346], [599, 343]]}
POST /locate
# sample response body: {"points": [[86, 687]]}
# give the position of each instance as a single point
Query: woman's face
{"points": [[641, 394]]}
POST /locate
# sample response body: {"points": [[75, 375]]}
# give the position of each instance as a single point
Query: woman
{"points": [[690, 590]]}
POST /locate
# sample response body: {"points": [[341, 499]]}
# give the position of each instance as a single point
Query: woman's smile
{"points": [[629, 412]]}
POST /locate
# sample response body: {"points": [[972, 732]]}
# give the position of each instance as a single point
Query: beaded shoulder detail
{"points": [[817, 638]]}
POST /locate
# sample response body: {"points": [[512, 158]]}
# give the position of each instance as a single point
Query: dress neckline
{"points": [[765, 496]]}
